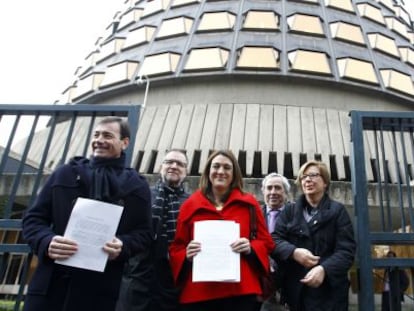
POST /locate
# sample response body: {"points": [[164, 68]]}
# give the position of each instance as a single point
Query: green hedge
{"points": [[8, 305]]}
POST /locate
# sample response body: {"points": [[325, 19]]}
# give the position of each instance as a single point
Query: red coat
{"points": [[197, 208]]}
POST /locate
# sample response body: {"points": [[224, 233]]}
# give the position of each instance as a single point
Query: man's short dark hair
{"points": [[177, 150], [123, 125]]}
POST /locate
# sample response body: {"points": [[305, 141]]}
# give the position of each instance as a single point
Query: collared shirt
{"points": [[271, 217], [309, 212]]}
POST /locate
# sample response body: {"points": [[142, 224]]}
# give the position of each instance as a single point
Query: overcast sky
{"points": [[43, 42]]}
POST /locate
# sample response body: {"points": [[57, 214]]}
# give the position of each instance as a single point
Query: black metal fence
{"points": [[21, 176], [382, 167]]}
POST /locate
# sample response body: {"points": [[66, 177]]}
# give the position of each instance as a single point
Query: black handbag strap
{"points": [[253, 223]]}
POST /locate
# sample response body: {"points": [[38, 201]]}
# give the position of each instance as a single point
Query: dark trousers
{"points": [[387, 300], [65, 295], [164, 293], [239, 303]]}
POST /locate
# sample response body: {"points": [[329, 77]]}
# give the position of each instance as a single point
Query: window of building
{"points": [[395, 25], [207, 59], [109, 31], [90, 61], [397, 81], [356, 69], [258, 57], [88, 84], [177, 3], [407, 55], [119, 72], [347, 32], [67, 95], [130, 17], [411, 36], [215, 21], [383, 44], [371, 12], [308, 1], [309, 61], [388, 4], [110, 48], [307, 24], [159, 64], [261, 20], [139, 36], [129, 3], [402, 13], [175, 27], [155, 6], [345, 5]]}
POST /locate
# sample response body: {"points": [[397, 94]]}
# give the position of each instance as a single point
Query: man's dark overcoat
{"points": [[148, 284], [55, 287]]}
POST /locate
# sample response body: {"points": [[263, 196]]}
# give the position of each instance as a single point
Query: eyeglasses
{"points": [[310, 175], [171, 162]]}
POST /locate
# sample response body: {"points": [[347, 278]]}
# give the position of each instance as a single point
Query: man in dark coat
{"points": [[395, 283], [167, 196], [103, 177], [315, 241], [275, 189]]}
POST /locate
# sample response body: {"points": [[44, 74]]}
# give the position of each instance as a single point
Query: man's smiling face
{"points": [[107, 142], [174, 168]]}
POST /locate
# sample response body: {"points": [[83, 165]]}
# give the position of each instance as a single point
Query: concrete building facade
{"points": [[273, 80]]}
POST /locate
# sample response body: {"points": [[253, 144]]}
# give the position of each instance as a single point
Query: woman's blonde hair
{"points": [[323, 170]]}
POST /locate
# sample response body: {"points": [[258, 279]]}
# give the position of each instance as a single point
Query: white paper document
{"points": [[216, 262], [91, 224]]}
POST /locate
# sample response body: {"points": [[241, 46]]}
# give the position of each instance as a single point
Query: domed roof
{"points": [[273, 80], [367, 44]]}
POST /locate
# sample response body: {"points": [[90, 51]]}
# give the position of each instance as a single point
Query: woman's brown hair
{"points": [[236, 183]]}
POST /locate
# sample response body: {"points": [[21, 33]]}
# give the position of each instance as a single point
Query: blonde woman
{"points": [[315, 245]]}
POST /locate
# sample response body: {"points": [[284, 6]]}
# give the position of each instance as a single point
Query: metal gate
{"points": [[382, 167], [21, 176]]}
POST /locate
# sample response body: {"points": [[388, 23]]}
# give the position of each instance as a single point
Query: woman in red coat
{"points": [[221, 197]]}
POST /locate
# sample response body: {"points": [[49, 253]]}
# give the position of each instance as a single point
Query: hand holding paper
{"points": [[216, 262], [193, 248], [242, 246], [61, 248], [92, 224], [113, 248]]}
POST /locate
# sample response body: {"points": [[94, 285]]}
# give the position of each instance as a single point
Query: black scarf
{"points": [[166, 205], [106, 178]]}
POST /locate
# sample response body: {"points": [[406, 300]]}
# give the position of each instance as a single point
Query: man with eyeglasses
{"points": [[275, 189], [148, 283]]}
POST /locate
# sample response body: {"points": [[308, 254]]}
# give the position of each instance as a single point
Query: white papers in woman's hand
{"points": [[216, 261]]}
